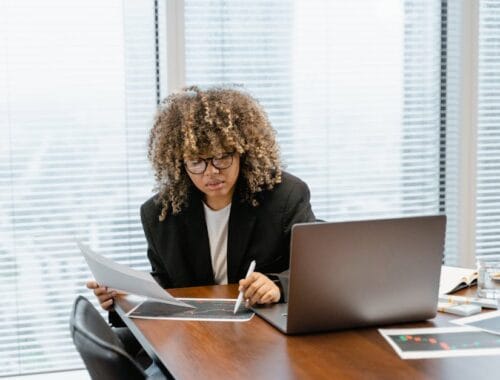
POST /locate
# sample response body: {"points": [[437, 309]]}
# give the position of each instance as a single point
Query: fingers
{"points": [[106, 305], [259, 289], [103, 294], [91, 284], [105, 297]]}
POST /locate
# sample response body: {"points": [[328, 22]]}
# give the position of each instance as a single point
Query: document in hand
{"points": [[120, 277]]}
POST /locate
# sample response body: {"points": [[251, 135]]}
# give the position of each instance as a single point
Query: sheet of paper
{"points": [[441, 342], [205, 309], [120, 277], [489, 322]]}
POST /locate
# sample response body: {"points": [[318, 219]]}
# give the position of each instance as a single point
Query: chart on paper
{"points": [[206, 309], [439, 342]]}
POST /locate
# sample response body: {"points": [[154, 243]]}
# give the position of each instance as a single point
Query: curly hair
{"points": [[194, 122]]}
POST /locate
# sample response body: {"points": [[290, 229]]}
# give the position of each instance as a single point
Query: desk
{"points": [[256, 350]]}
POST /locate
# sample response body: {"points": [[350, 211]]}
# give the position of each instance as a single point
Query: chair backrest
{"points": [[100, 348]]}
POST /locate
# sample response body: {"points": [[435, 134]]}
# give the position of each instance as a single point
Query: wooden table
{"points": [[256, 350]]}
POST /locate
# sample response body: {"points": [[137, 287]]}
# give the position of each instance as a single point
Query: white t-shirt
{"points": [[217, 226]]}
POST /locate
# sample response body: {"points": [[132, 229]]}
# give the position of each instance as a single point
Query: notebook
{"points": [[360, 273], [454, 279]]}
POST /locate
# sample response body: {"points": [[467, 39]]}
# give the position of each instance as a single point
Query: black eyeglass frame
{"points": [[214, 164]]}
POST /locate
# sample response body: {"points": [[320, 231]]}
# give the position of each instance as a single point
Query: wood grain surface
{"points": [[256, 350]]}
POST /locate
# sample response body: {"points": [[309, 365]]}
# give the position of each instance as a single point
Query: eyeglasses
{"points": [[199, 165]]}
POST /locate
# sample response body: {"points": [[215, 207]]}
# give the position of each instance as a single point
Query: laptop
{"points": [[360, 273]]}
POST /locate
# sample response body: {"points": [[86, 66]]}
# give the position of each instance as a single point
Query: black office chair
{"points": [[100, 348]]}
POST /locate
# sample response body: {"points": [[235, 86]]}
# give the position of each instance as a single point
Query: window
{"points": [[356, 105], [78, 89], [488, 131]]}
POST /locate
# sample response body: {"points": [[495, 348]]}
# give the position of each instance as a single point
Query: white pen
{"points": [[240, 296], [483, 302]]}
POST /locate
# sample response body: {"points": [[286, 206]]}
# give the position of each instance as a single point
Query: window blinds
{"points": [[488, 131], [352, 88], [78, 90]]}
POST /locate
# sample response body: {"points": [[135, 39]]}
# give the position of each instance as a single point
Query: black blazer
{"points": [[178, 247]]}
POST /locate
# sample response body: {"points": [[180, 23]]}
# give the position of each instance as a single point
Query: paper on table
{"points": [[489, 322], [441, 342], [206, 309], [120, 277]]}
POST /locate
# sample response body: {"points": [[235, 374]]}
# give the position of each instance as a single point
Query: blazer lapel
{"points": [[241, 223], [198, 252]]}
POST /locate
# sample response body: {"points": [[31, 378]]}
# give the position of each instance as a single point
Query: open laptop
{"points": [[360, 273]]}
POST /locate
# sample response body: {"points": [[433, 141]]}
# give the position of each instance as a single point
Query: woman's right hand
{"points": [[103, 294]]}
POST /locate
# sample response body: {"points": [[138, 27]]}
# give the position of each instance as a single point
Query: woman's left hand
{"points": [[259, 289]]}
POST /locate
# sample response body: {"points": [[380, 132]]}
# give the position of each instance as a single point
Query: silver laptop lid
{"points": [[361, 273]]}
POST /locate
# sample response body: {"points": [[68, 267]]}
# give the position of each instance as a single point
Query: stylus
{"points": [[240, 296]]}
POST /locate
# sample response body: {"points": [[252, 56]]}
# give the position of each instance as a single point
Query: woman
{"points": [[222, 197]]}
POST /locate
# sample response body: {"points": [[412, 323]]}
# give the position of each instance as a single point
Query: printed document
{"points": [[489, 322], [122, 278], [441, 342], [205, 309]]}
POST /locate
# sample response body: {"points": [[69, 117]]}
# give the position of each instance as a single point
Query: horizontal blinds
{"points": [[488, 135], [246, 43], [77, 95], [356, 104]]}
